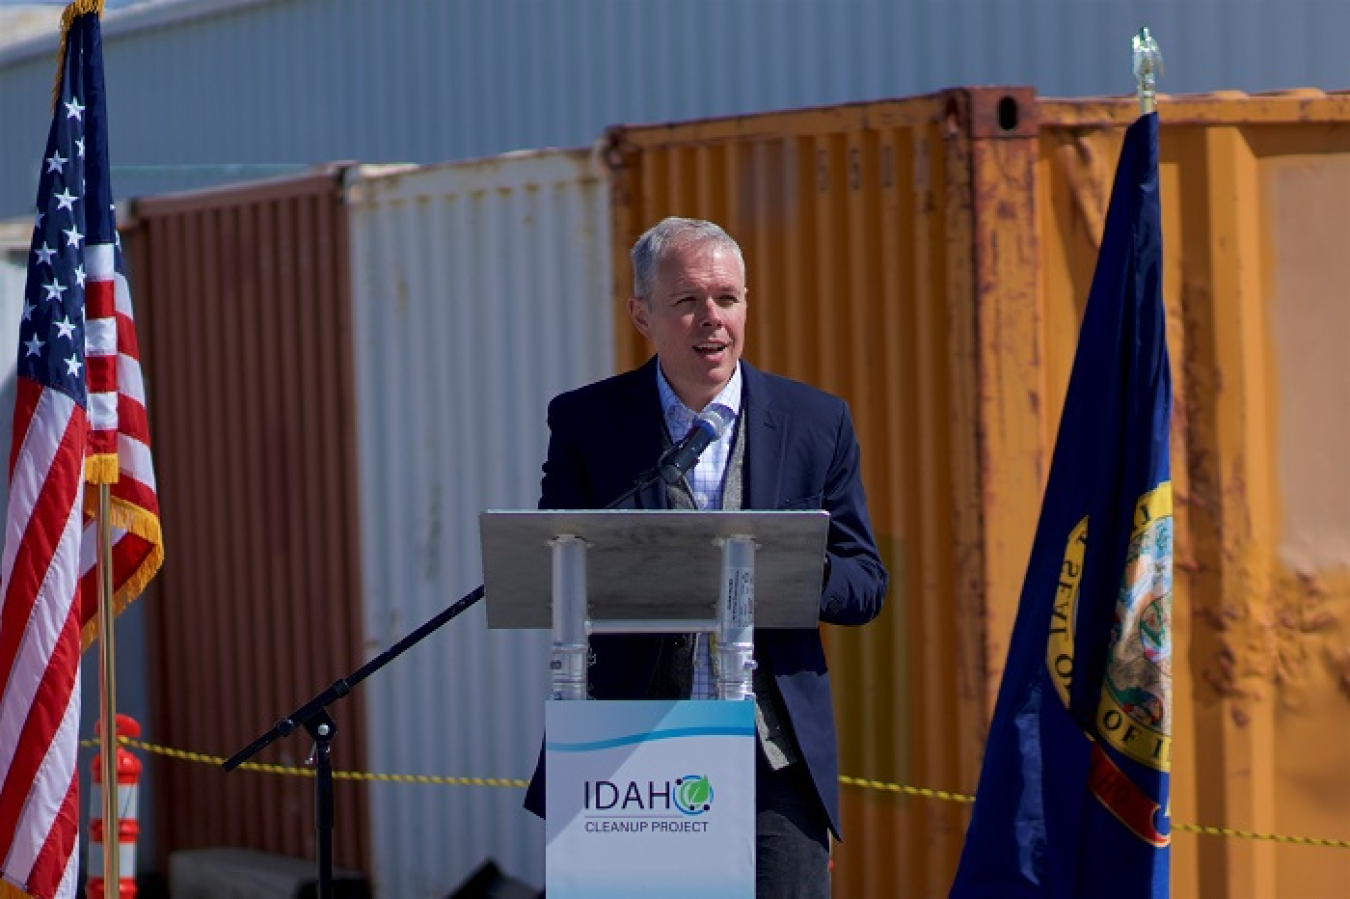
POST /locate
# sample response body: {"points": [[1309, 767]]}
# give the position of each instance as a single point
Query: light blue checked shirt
{"points": [[705, 481]]}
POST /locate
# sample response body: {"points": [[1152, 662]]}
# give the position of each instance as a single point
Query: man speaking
{"points": [[775, 444]]}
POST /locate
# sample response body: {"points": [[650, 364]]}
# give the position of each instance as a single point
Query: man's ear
{"points": [[637, 311]]}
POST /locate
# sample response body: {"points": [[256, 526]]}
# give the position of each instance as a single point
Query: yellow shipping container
{"points": [[928, 259]]}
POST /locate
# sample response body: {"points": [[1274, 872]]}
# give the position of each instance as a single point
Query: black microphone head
{"points": [[709, 426], [717, 418]]}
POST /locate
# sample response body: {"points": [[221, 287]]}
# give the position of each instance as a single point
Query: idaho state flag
{"points": [[1073, 795]]}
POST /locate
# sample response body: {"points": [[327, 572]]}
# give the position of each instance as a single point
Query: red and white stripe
{"points": [[117, 424], [40, 646], [101, 340]]}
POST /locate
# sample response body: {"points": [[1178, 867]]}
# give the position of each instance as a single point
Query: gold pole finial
{"points": [[77, 8], [1148, 65]]}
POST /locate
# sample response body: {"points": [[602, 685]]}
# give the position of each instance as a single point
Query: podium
{"points": [[652, 798]]}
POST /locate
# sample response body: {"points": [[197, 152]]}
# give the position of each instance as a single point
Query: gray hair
{"points": [[668, 234]]}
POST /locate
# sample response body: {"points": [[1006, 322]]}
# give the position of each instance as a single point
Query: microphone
{"points": [[681, 457]]}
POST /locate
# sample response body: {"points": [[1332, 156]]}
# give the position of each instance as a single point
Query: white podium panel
{"points": [[650, 798]]}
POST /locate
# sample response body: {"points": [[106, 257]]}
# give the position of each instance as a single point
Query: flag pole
{"points": [[107, 693], [1148, 65]]}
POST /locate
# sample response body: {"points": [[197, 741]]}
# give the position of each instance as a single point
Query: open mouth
{"points": [[709, 349]]}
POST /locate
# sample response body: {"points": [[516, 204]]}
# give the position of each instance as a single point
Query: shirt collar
{"points": [[674, 409]]}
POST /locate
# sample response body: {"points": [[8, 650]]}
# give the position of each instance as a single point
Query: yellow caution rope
{"points": [[517, 783]]}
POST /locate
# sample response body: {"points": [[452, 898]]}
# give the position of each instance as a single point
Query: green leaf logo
{"points": [[693, 794]]}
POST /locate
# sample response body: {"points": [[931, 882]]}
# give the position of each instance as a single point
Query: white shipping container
{"points": [[479, 291]]}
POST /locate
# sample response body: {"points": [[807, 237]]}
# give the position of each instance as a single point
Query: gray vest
{"points": [[675, 667]]}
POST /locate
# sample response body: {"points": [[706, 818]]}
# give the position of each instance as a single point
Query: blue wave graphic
{"points": [[672, 733]]}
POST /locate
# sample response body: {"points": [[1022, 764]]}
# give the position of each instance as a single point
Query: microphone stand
{"points": [[313, 716]]}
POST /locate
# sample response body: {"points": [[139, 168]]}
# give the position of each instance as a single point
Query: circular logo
{"points": [[693, 794]]}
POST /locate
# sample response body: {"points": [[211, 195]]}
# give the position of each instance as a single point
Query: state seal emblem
{"points": [[1135, 714]]}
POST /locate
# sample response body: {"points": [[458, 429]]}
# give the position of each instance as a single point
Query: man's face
{"points": [[696, 319]]}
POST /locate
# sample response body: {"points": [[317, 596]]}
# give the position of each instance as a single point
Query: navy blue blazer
{"points": [[801, 454]]}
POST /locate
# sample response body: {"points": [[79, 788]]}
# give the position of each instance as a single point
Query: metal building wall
{"points": [[204, 91], [480, 290], [243, 314], [928, 259]]}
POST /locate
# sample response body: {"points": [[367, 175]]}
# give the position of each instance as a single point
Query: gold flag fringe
{"points": [[9, 891], [101, 469], [71, 13], [132, 518]]}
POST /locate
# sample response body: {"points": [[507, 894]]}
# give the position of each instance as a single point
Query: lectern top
{"points": [[653, 565]]}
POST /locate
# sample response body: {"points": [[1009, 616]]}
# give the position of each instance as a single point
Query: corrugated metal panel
{"points": [[928, 260], [480, 291], [13, 274], [13, 278], [243, 307], [201, 90]]}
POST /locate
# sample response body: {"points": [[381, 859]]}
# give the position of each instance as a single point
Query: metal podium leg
{"points": [[570, 645], [736, 620]]}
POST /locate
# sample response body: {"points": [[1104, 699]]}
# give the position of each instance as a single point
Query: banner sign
{"points": [[650, 798]]}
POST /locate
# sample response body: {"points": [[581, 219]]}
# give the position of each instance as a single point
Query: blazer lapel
{"points": [[766, 430], [644, 441]]}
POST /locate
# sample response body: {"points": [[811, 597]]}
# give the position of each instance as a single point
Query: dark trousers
{"points": [[792, 836]]}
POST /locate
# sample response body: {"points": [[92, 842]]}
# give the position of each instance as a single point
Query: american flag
{"points": [[79, 415]]}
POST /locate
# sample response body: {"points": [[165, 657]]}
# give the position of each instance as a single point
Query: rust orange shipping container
{"points": [[928, 259], [244, 294]]}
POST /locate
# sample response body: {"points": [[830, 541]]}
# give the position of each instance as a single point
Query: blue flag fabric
{"points": [[1073, 795]]}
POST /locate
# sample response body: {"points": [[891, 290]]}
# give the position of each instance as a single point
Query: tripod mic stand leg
{"points": [[321, 727]]}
